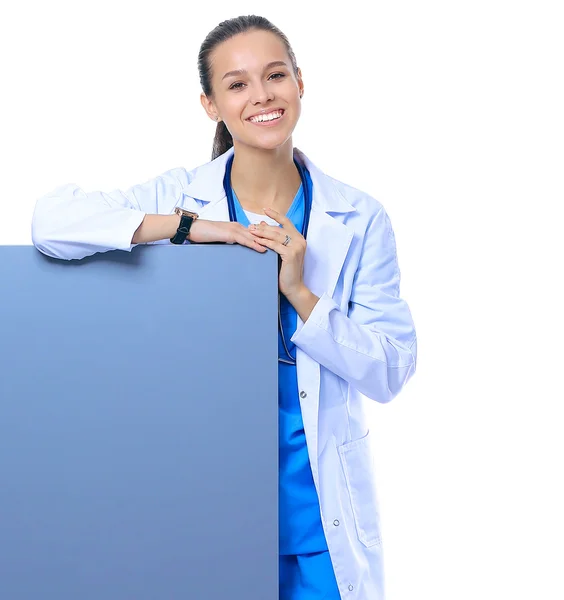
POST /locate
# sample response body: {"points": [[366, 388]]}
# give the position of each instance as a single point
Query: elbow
{"points": [[390, 379], [63, 228], [41, 236], [41, 239], [50, 241], [55, 222], [397, 380]]}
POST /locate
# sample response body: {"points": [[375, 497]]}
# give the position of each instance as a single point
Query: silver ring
{"points": [[287, 240]]}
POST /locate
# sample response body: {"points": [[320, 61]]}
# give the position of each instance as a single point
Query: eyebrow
{"points": [[237, 72]]}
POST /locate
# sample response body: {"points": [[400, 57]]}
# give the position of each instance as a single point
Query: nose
{"points": [[261, 93]]}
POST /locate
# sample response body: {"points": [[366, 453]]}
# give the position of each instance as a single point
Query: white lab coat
{"points": [[359, 341]]}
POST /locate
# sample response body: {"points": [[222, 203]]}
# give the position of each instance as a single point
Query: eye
{"points": [[239, 85]]}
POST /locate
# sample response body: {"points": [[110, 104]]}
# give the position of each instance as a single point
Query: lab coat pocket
{"points": [[358, 466]]}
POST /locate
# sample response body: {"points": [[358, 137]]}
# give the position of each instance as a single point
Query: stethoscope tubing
{"points": [[305, 226], [305, 186]]}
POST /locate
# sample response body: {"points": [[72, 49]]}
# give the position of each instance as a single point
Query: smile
{"points": [[268, 118]]}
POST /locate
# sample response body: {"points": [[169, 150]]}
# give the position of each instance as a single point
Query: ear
{"points": [[209, 107], [300, 82]]}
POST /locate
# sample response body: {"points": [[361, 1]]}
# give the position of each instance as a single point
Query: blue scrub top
{"points": [[300, 529]]}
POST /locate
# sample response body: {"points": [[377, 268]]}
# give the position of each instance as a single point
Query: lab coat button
{"points": [[303, 394], [350, 588], [336, 522]]}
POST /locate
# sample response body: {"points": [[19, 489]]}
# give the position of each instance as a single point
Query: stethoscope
{"points": [[307, 209]]}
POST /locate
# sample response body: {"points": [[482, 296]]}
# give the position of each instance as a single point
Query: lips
{"points": [[268, 112]]}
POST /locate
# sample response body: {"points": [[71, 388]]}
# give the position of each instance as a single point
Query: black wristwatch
{"points": [[186, 219]]}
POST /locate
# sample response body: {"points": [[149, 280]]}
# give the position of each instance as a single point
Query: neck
{"points": [[265, 178]]}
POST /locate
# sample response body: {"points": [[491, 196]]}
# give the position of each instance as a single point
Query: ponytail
{"points": [[222, 140]]}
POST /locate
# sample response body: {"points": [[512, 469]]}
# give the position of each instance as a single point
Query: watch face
{"points": [[188, 213]]}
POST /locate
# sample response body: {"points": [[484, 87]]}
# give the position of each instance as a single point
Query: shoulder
{"points": [[374, 235], [342, 196], [178, 175], [204, 181], [366, 214], [365, 209], [359, 199], [185, 176]]}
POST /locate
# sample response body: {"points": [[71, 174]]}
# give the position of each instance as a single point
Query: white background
{"points": [[451, 114]]}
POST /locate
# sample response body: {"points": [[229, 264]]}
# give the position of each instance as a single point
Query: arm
{"points": [[69, 223], [374, 346], [156, 227]]}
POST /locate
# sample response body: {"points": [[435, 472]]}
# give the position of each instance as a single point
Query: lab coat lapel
{"points": [[328, 242], [328, 239]]}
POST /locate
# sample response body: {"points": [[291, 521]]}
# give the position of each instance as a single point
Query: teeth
{"points": [[268, 117]]}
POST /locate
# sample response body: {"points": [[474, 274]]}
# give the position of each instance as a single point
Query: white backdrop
{"points": [[450, 113]]}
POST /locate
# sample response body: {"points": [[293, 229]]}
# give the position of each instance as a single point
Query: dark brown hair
{"points": [[224, 31]]}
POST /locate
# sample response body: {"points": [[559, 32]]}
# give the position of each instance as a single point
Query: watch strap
{"points": [[183, 229]]}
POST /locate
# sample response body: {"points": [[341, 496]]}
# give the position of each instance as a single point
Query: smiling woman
{"points": [[244, 64], [252, 87], [345, 334]]}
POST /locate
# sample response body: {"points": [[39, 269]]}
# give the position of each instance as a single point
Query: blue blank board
{"points": [[139, 425]]}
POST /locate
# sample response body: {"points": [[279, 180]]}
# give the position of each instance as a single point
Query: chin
{"points": [[267, 144], [271, 142], [273, 145]]}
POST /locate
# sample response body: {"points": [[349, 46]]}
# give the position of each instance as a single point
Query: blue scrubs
{"points": [[306, 572]]}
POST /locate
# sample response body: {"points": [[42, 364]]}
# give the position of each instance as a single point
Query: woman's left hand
{"points": [[290, 279]]}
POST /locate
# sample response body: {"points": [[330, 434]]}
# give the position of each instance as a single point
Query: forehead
{"points": [[250, 51]]}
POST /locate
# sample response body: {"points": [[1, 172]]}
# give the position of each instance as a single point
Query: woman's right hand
{"points": [[203, 232]]}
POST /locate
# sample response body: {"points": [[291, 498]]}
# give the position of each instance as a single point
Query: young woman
{"points": [[345, 332]]}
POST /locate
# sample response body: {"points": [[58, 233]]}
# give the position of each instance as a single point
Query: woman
{"points": [[345, 332]]}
